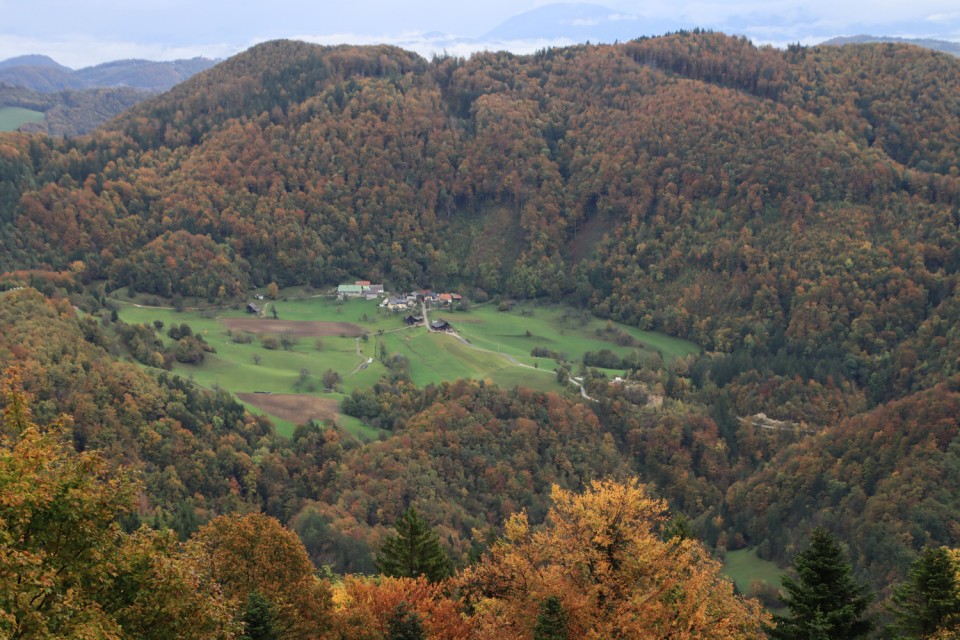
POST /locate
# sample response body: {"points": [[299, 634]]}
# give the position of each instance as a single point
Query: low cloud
{"points": [[80, 52], [429, 45]]}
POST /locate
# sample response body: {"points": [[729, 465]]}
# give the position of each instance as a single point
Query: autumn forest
{"points": [[794, 213]]}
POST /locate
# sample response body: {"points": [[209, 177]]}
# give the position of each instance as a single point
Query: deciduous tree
{"points": [[256, 554], [600, 555]]}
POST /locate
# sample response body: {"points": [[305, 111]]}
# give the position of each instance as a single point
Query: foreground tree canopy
{"points": [[599, 556], [69, 571]]}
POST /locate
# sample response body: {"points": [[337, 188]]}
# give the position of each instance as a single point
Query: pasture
{"points": [[277, 365], [11, 118], [746, 569]]}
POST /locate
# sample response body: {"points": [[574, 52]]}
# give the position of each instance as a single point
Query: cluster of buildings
{"points": [[407, 302], [431, 298]]}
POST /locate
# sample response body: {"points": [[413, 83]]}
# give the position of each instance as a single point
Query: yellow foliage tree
{"points": [[600, 555], [67, 570], [254, 554]]}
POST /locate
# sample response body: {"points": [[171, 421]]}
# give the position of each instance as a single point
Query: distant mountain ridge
{"points": [[42, 73], [32, 60], [577, 22], [945, 46]]}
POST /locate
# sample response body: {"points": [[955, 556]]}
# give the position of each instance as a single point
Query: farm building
{"points": [[345, 291], [360, 289], [440, 325]]}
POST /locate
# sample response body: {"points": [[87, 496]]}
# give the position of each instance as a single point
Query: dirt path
{"points": [[364, 361]]}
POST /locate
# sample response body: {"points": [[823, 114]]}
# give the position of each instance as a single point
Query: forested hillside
{"points": [[793, 212], [71, 112]]}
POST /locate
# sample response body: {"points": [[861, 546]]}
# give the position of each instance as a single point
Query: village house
{"points": [[396, 304]]}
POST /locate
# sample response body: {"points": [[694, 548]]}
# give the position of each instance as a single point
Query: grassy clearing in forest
{"points": [[499, 345], [744, 567], [562, 329], [11, 118]]}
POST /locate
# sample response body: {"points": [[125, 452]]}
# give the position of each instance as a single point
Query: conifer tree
{"points": [[552, 621], [414, 551], [404, 624], [259, 618], [930, 600], [825, 602]]}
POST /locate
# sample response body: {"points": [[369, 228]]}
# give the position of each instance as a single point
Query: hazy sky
{"points": [[79, 33]]}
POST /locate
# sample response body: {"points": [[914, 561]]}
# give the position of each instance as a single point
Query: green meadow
{"points": [[744, 567], [561, 329], [495, 346], [13, 117]]}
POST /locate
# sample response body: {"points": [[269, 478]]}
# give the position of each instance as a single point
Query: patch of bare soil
{"points": [[298, 328], [294, 408]]}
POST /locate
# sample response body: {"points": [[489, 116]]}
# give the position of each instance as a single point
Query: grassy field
{"points": [[497, 348], [12, 117], [248, 368], [744, 567], [517, 331]]}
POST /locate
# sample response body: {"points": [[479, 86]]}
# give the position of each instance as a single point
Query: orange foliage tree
{"points": [[600, 555], [255, 554], [364, 608]]}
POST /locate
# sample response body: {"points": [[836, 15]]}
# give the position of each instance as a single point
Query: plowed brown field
{"points": [[298, 328], [294, 408]]}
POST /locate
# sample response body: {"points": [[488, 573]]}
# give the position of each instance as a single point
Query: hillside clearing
{"points": [[11, 118], [295, 408]]}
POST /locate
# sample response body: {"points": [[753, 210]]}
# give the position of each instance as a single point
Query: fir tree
{"points": [[930, 600], [414, 551], [824, 601], [552, 621], [259, 618], [404, 624]]}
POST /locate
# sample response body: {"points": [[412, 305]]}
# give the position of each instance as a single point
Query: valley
{"points": [[324, 334], [712, 285]]}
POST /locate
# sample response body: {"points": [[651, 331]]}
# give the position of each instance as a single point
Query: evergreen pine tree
{"points": [[259, 618], [552, 621], [414, 551], [404, 624], [930, 600], [824, 601]]}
